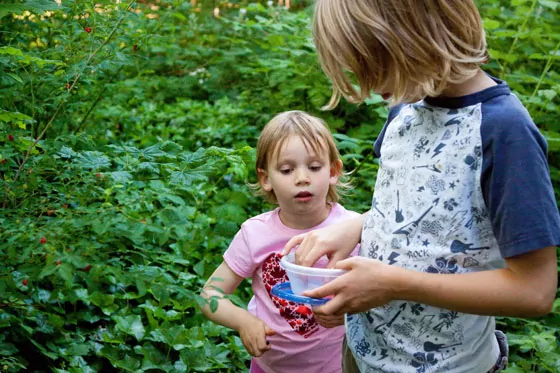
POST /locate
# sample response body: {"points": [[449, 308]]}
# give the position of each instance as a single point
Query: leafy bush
{"points": [[126, 140]]}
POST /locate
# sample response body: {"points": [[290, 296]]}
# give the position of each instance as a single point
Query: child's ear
{"points": [[336, 170], [264, 180]]}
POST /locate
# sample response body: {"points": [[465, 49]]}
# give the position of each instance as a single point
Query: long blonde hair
{"points": [[315, 134], [413, 47]]}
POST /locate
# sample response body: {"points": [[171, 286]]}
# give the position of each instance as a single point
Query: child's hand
{"points": [[329, 321], [336, 241], [253, 334]]}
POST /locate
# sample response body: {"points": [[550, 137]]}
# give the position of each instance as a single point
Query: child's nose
{"points": [[302, 177]]}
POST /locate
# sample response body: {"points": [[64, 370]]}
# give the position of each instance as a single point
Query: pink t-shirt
{"points": [[300, 345]]}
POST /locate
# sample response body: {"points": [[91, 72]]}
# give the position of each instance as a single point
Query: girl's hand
{"points": [[253, 334], [336, 241], [368, 284], [329, 321]]}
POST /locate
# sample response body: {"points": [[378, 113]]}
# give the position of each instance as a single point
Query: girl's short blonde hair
{"points": [[315, 134], [413, 48]]}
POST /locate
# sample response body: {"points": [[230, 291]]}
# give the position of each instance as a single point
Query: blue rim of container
{"points": [[284, 291]]}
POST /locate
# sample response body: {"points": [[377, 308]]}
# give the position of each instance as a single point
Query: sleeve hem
{"points": [[232, 265], [525, 246]]}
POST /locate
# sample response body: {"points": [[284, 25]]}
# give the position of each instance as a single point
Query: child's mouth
{"points": [[304, 196]]}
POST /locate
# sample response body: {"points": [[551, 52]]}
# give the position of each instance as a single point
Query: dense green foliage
{"points": [[126, 142]]}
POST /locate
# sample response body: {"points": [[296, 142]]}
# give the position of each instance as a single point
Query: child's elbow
{"points": [[546, 306], [542, 304]]}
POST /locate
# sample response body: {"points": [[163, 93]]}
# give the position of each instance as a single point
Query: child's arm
{"points": [[525, 288], [336, 240], [252, 330]]}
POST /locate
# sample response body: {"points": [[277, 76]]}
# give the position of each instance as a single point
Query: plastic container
{"points": [[307, 278]]}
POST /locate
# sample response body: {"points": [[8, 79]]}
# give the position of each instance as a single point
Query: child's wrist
{"points": [[401, 283], [243, 321]]}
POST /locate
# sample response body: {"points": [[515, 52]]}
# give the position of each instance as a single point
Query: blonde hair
{"points": [[415, 48], [315, 134]]}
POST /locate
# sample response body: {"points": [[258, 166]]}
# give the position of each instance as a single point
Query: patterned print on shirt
{"points": [[427, 215], [299, 316]]}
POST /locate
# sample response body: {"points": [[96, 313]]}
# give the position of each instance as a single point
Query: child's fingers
{"points": [[293, 242], [323, 291], [257, 347], [329, 321], [268, 331], [262, 345]]}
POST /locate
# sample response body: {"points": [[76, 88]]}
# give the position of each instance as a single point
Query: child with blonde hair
{"points": [[299, 168], [464, 222]]}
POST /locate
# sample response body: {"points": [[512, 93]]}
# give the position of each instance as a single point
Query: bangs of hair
{"points": [[316, 137], [410, 48]]}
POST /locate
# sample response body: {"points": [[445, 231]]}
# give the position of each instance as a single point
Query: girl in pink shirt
{"points": [[298, 168]]}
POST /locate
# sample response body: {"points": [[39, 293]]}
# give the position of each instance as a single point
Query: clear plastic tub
{"points": [[307, 278]]}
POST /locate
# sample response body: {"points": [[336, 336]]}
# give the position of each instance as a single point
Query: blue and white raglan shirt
{"points": [[463, 183]]}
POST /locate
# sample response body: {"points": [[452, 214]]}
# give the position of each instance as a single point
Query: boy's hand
{"points": [[253, 334], [368, 284], [329, 321]]}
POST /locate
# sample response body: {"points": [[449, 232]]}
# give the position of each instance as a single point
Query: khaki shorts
{"points": [[348, 361]]}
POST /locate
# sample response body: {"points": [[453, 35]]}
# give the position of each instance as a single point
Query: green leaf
{"points": [[121, 176], [93, 160], [19, 118], [34, 6], [7, 349], [491, 24], [102, 300], [15, 77], [131, 324], [549, 4], [25, 58], [175, 336], [66, 153], [149, 167], [199, 268], [188, 177]]}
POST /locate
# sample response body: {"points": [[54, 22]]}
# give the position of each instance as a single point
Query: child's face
{"points": [[386, 92], [299, 178]]}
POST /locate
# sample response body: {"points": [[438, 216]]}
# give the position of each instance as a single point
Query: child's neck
{"points": [[306, 220], [477, 83]]}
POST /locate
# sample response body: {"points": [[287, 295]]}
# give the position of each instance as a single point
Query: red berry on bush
{"points": [[24, 282], [10, 137], [87, 29], [3, 161], [86, 268], [43, 240], [98, 175], [68, 86], [135, 47]]}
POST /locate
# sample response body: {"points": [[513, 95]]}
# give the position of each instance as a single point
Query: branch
{"points": [[63, 102]]}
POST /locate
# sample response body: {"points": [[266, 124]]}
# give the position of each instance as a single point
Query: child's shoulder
{"points": [[266, 218], [339, 211], [505, 120]]}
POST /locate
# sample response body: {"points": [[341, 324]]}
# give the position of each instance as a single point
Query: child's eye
{"points": [[285, 171], [315, 168]]}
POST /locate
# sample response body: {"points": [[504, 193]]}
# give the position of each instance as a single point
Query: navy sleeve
{"points": [[516, 179], [393, 112]]}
